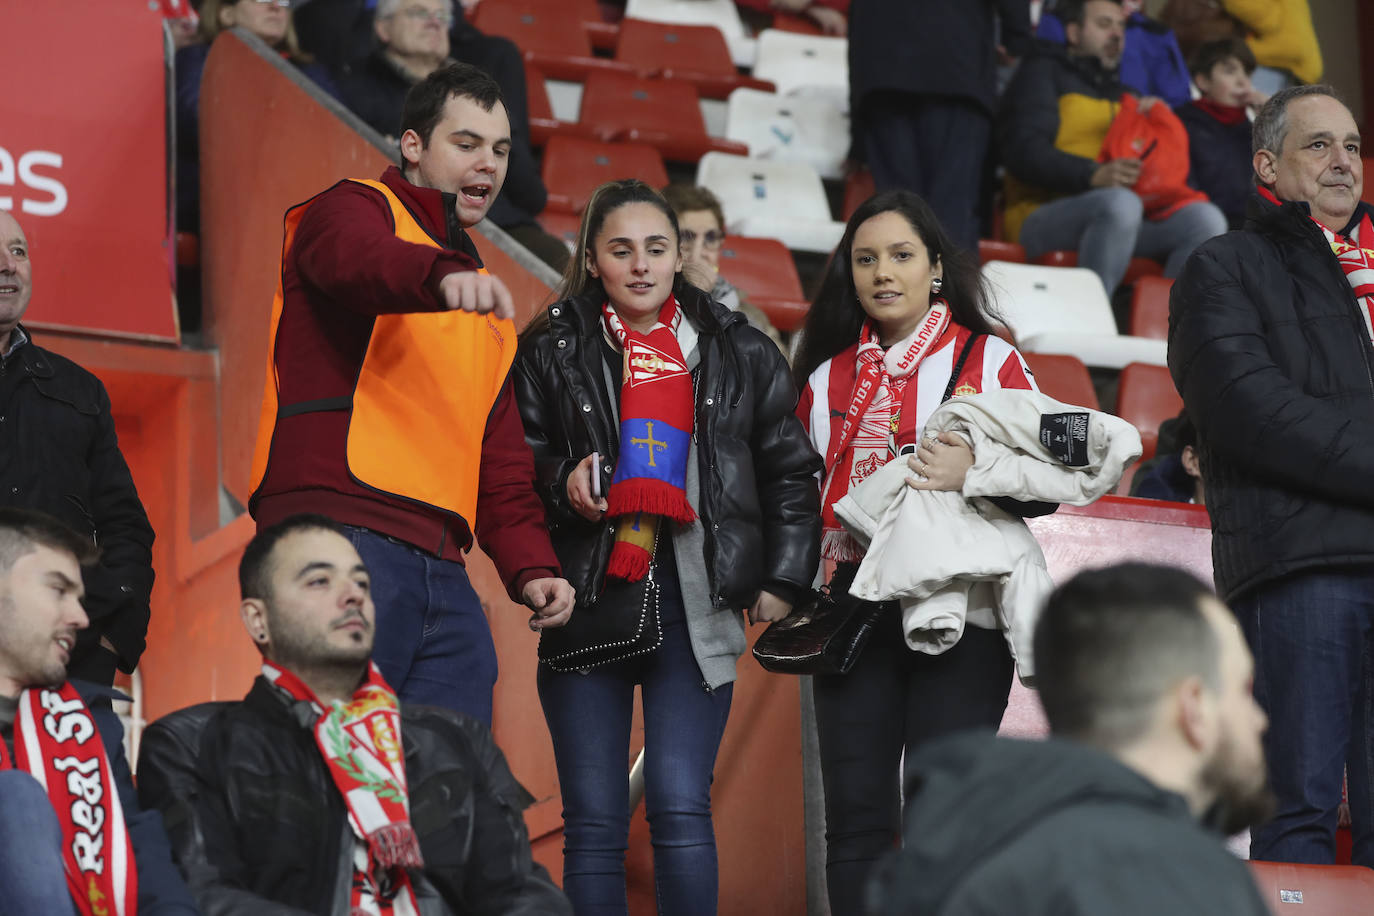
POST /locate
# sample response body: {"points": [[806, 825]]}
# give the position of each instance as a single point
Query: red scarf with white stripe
{"points": [[656, 420], [361, 744], [1356, 256], [1358, 264], [56, 740], [874, 431]]}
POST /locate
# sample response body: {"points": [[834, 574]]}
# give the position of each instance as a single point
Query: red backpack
{"points": [[1158, 139]]}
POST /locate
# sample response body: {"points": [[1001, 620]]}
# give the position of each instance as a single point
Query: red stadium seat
{"points": [[550, 35], [993, 250], [766, 275], [574, 168], [1150, 307], [787, 22], [1145, 398], [562, 226], [543, 124], [858, 187], [1139, 267], [663, 113], [1063, 378], [600, 33], [1315, 890], [188, 249], [695, 53]]}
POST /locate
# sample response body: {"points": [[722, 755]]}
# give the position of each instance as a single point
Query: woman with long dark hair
{"points": [[901, 322], [667, 450]]}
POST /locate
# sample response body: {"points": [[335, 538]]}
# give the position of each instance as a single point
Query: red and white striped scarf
{"points": [[1358, 264], [1356, 256], [56, 740], [873, 430], [361, 744]]}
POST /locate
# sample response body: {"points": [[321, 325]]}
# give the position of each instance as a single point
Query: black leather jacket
{"points": [[59, 455], [259, 828], [1270, 351], [759, 501]]}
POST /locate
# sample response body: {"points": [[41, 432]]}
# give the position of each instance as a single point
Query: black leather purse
{"points": [[623, 622], [823, 635]]}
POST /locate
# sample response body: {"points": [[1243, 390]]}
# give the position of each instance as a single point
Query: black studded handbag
{"points": [[621, 623]]}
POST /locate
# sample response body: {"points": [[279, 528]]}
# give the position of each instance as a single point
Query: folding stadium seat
{"points": [[543, 123], [993, 250], [601, 33], [1139, 267], [1150, 307], [695, 53], [1065, 310], [792, 22], [804, 64], [660, 112], [790, 129], [859, 187], [1063, 378], [719, 14], [573, 168], [766, 275], [781, 200], [1145, 398], [1315, 890], [551, 36]]}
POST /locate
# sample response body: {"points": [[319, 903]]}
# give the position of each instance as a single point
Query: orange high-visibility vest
{"points": [[419, 407]]}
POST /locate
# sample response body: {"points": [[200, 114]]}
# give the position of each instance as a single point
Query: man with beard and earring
{"points": [[1155, 754], [320, 792]]}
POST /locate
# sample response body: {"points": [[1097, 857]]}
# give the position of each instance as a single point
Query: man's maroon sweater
{"points": [[345, 267]]}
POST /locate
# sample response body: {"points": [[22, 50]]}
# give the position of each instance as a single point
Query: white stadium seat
{"points": [[796, 64], [1065, 310], [767, 199], [790, 129]]}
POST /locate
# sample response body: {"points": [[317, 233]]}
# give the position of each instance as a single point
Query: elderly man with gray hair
{"points": [[1270, 346]]}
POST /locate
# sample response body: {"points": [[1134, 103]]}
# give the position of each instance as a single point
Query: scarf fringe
{"points": [[654, 497], [839, 545], [628, 562], [396, 846]]}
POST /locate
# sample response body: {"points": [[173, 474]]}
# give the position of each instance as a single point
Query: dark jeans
{"points": [[1312, 635], [31, 868], [589, 720], [433, 643], [893, 700], [932, 145]]}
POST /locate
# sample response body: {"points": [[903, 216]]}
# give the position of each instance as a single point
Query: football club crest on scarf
{"points": [[656, 416]]}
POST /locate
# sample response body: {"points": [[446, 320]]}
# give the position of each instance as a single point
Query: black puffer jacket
{"points": [[258, 826], [759, 501], [1271, 353]]}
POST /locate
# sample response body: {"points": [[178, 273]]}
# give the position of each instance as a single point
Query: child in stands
{"points": [[1218, 125]]}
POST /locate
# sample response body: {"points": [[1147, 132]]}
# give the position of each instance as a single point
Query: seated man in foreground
{"points": [[1145, 680], [72, 837], [319, 793]]}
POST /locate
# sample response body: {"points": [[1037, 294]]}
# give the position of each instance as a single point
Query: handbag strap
{"points": [[959, 365]]}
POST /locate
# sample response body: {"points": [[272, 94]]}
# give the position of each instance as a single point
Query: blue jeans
{"points": [[1107, 227], [1312, 635], [32, 879], [433, 642], [589, 720]]}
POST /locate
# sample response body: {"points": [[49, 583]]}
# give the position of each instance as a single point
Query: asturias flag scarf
{"points": [[656, 409], [361, 744], [58, 743]]}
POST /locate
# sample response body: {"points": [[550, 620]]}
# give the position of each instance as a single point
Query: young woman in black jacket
{"points": [[651, 408]]}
